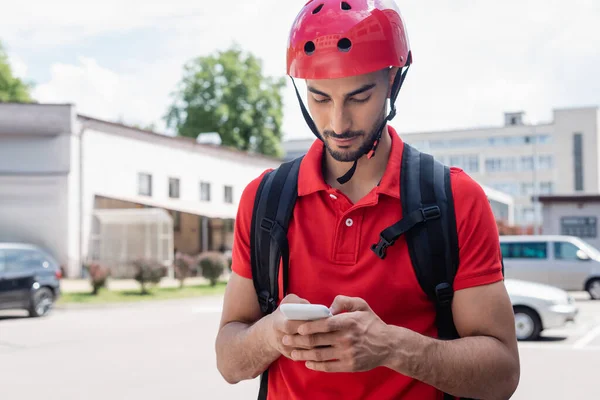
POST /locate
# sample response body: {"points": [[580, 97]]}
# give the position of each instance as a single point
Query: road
{"points": [[166, 350]]}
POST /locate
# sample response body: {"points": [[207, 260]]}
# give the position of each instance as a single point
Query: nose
{"points": [[340, 120]]}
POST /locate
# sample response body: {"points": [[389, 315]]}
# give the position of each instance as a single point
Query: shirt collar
{"points": [[310, 178]]}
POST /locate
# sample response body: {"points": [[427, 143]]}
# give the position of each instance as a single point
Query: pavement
{"points": [[163, 350], [83, 285]]}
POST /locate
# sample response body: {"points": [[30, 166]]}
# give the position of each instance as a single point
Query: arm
{"points": [[483, 364], [247, 342], [242, 347]]}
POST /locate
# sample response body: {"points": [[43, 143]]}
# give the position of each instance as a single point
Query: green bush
{"points": [[148, 271], [212, 264], [99, 274], [185, 266]]}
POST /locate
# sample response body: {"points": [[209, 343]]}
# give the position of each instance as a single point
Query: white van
{"points": [[566, 262]]}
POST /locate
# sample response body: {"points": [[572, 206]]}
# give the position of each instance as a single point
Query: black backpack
{"points": [[428, 223]]}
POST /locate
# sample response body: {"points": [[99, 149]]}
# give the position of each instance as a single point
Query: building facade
{"points": [[573, 215], [57, 168], [521, 160]]}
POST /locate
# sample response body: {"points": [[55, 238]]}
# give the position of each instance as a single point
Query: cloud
{"points": [[472, 60], [18, 66], [97, 91]]}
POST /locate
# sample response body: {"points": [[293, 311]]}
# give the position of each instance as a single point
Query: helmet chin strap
{"points": [[398, 81]]}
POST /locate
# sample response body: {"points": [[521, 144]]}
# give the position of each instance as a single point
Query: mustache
{"points": [[345, 135]]}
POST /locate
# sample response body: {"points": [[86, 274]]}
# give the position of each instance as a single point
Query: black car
{"points": [[29, 279]]}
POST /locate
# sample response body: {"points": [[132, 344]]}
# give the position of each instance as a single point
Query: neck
{"points": [[368, 171]]}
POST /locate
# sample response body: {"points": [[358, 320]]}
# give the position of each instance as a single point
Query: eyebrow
{"points": [[361, 89]]}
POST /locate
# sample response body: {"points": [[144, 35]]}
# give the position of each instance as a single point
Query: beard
{"points": [[352, 155]]}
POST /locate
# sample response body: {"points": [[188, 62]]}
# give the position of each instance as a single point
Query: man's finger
{"points": [[348, 304], [321, 354], [327, 366], [292, 298], [291, 327], [311, 341], [324, 325]]}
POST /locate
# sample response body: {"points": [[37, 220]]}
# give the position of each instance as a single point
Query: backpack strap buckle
{"points": [[381, 247], [267, 224], [444, 294], [267, 302], [431, 212]]}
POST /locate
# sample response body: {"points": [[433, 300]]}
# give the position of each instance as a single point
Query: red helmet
{"points": [[333, 38]]}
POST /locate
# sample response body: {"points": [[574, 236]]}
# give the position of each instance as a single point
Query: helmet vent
{"points": [[316, 10], [344, 44], [346, 6], [309, 48]]}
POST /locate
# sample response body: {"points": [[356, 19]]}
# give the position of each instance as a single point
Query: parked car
{"points": [[538, 307], [29, 279], [566, 262]]}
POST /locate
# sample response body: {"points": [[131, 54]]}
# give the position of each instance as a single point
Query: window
{"points": [[469, 163], [174, 188], [511, 188], [204, 191], [583, 227], [507, 164], [546, 187], [545, 162], [531, 250], [526, 189], [144, 184], [24, 260], [527, 163], [176, 221], [228, 195], [565, 251], [578, 160]]}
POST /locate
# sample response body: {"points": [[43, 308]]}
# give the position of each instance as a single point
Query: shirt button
{"points": [[349, 222], [333, 196]]}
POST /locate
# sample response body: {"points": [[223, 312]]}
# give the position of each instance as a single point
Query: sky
{"points": [[120, 60]]}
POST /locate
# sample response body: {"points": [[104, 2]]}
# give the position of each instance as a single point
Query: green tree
{"points": [[12, 89], [228, 93]]}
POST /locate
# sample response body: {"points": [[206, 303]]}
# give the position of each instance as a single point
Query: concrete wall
{"points": [[553, 212], [34, 209], [566, 123], [506, 141], [36, 163], [113, 157]]}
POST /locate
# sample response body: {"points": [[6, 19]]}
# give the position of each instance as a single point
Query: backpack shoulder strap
{"points": [[433, 247], [273, 208]]}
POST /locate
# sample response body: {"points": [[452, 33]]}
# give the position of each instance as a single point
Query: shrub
{"points": [[148, 271], [213, 265], [185, 266], [99, 274]]}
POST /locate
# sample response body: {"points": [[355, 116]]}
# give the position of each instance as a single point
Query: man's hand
{"points": [[281, 326], [354, 339]]}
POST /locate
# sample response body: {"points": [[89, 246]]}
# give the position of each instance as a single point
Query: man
{"points": [[381, 342]]}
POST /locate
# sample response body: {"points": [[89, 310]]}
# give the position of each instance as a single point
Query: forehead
{"points": [[347, 84]]}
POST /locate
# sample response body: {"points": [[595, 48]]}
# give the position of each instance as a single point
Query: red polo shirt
{"points": [[330, 239]]}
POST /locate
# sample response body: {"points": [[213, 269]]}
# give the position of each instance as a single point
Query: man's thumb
{"points": [[348, 304]]}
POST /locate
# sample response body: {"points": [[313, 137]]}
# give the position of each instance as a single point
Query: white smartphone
{"points": [[304, 312]]}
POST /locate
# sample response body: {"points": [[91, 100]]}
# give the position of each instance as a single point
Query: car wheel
{"points": [[527, 324], [42, 301], [593, 288]]}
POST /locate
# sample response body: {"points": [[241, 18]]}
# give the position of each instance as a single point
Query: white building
{"points": [[58, 167], [521, 160]]}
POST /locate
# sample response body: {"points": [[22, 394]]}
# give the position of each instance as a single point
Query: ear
{"points": [[391, 76]]}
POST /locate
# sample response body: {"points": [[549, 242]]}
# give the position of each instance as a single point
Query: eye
{"points": [[355, 100], [321, 99]]}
